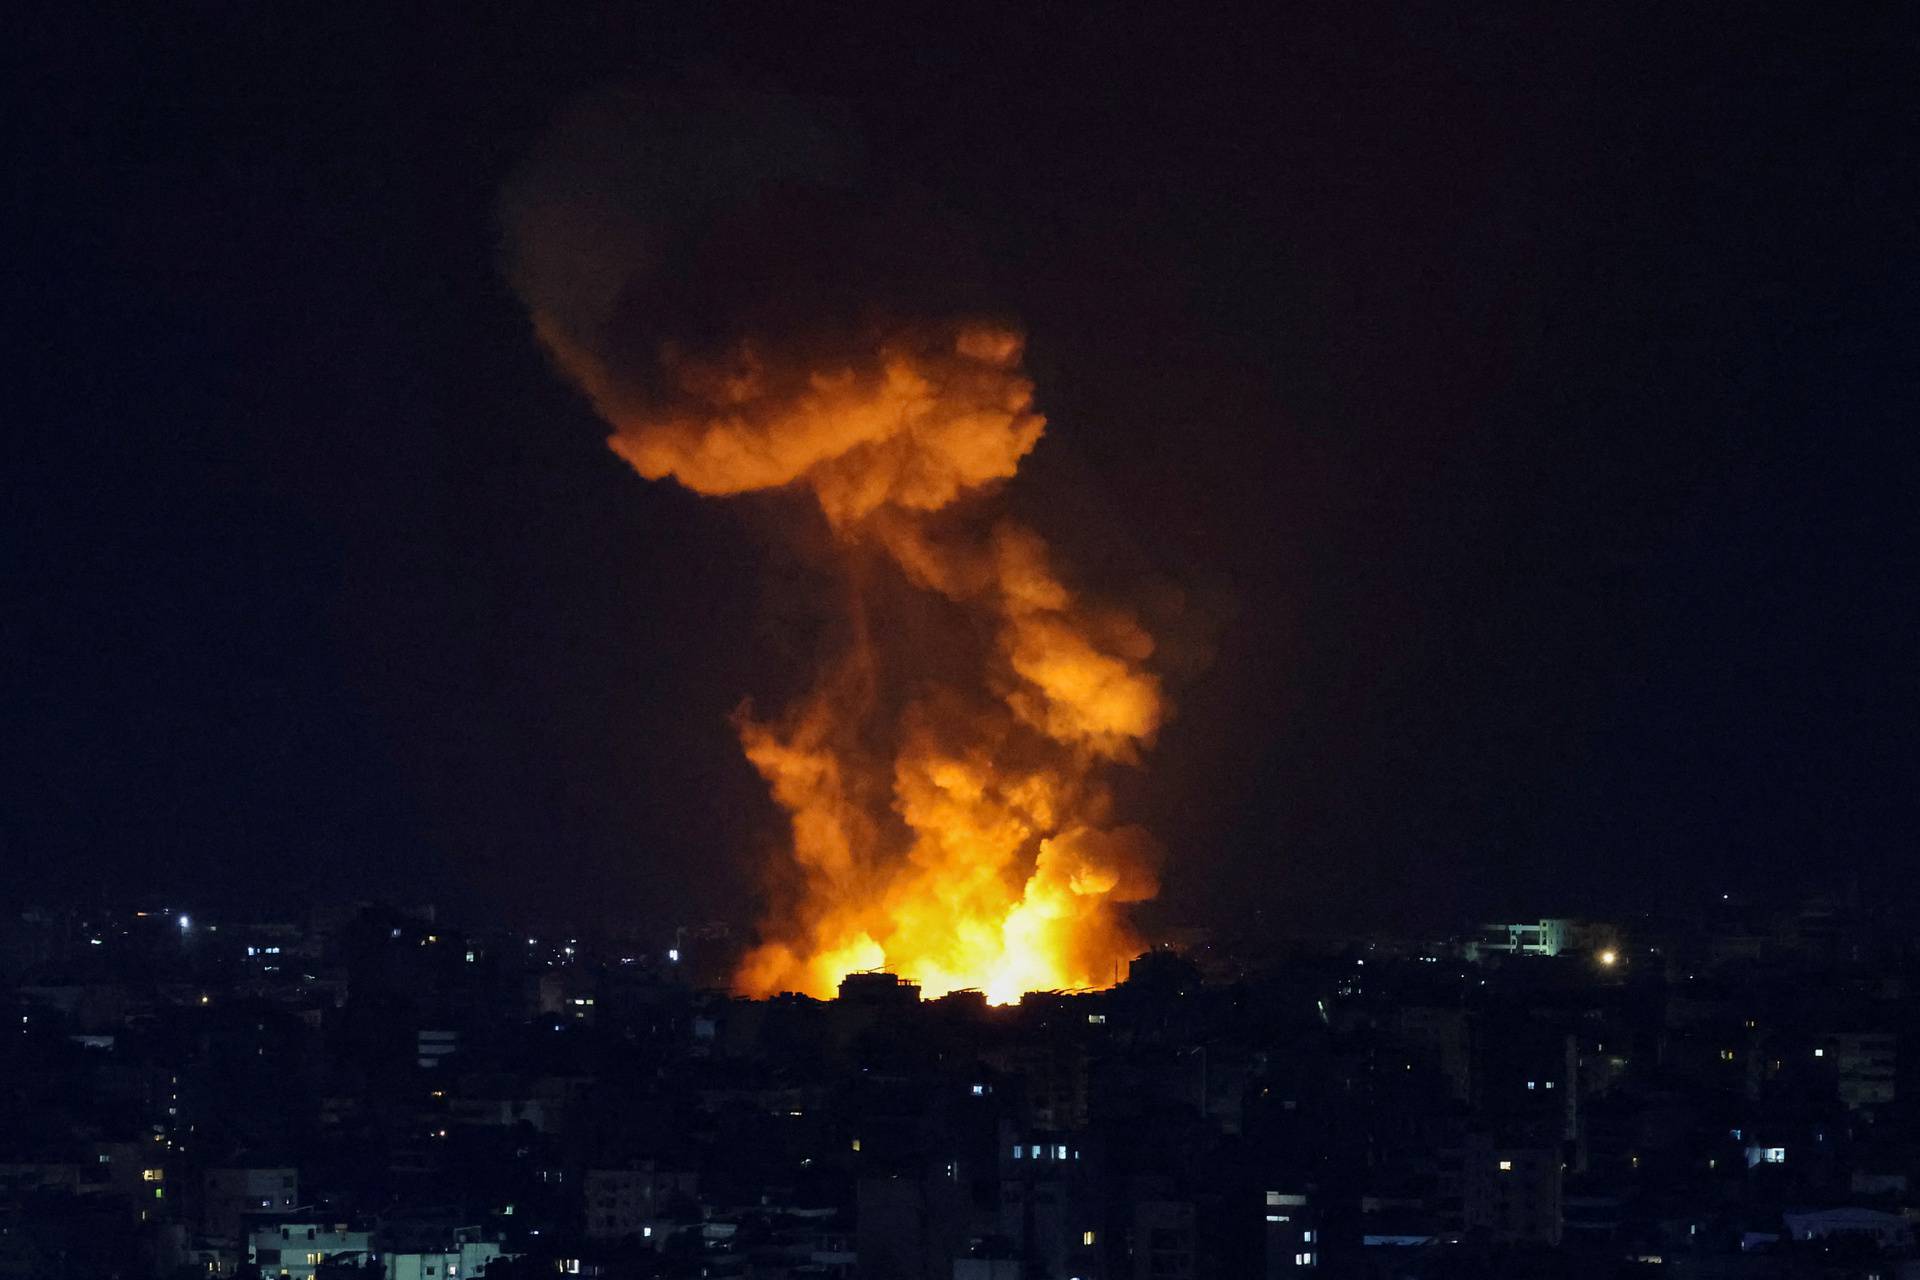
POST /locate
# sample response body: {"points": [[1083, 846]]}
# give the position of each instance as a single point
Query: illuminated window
{"points": [[1097, 1019], [1018, 1151], [1819, 1053], [1726, 1055], [856, 1144], [1307, 1237], [153, 1175], [1506, 1166], [1086, 1237]]}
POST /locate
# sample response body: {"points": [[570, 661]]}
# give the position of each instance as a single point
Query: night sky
{"points": [[1525, 400]]}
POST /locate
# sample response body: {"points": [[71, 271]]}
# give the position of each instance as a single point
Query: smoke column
{"points": [[741, 324]]}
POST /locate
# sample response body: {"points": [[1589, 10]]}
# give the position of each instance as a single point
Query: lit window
{"points": [[1307, 1236], [856, 1144], [1086, 1237], [1097, 1019], [1018, 1151], [1530, 1084], [1506, 1166], [979, 1091], [153, 1175], [1060, 1153], [1819, 1053]]}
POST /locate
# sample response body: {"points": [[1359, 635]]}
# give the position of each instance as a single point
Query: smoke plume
{"points": [[744, 320]]}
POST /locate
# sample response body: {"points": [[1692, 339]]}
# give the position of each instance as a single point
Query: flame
{"points": [[955, 831]]}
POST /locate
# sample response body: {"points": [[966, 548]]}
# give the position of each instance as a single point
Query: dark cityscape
{"points": [[1728, 1092], [705, 642]]}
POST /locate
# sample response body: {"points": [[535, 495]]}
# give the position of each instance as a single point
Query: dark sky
{"points": [[1531, 394]]}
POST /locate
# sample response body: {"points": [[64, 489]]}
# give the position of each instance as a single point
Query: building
{"points": [[1164, 1244], [1293, 1242], [294, 1250], [1050, 1207], [230, 1194], [1513, 1194], [631, 1202], [462, 1257], [1865, 1064]]}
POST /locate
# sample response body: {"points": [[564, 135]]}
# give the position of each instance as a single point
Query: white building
{"points": [[295, 1250], [460, 1260]]}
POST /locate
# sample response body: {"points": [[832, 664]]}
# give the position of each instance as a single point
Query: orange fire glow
{"points": [[950, 828]]}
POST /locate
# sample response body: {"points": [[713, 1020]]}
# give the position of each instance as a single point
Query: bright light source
{"points": [[1506, 1166], [1609, 957], [186, 922], [673, 954]]}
